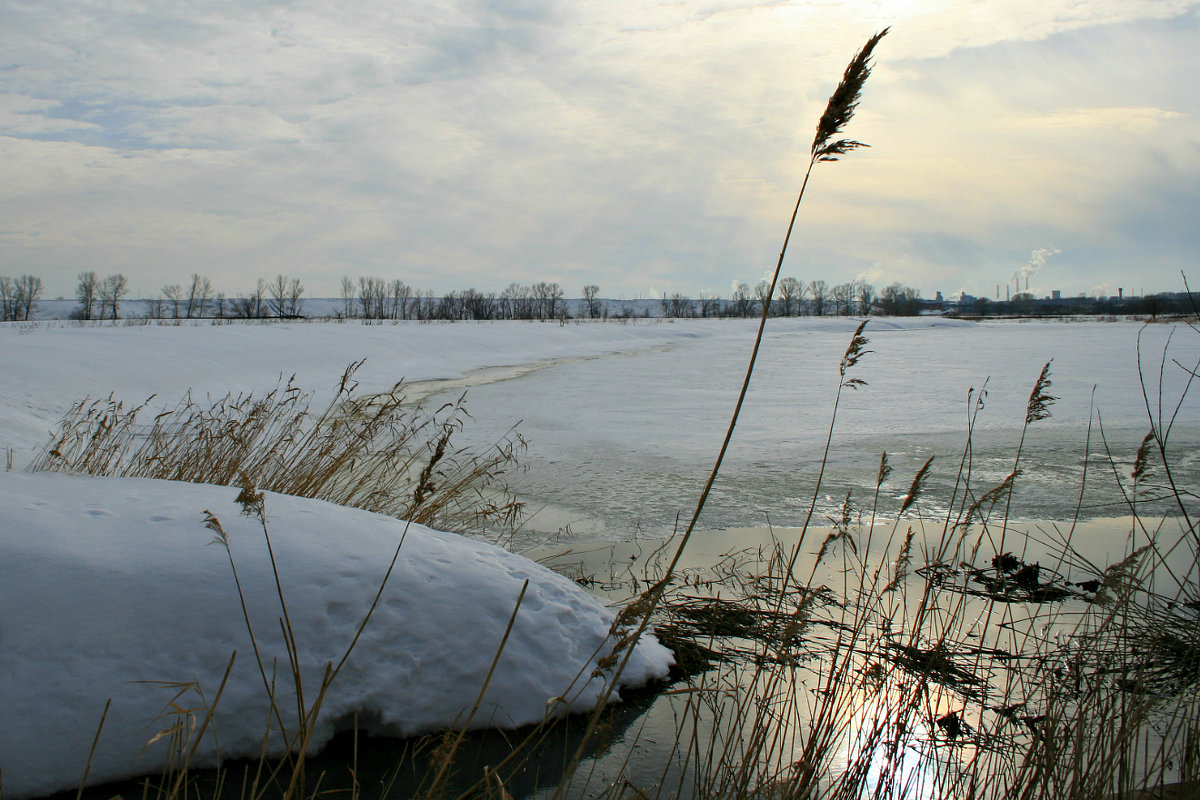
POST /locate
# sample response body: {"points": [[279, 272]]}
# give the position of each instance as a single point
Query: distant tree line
{"points": [[375, 298], [1026, 305], [282, 298], [794, 298]]}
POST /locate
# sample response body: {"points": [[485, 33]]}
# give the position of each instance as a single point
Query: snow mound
{"points": [[112, 588]]}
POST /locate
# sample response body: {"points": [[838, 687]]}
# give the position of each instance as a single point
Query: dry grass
{"points": [[369, 452]]}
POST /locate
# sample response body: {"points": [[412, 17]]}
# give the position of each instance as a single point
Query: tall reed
{"points": [[373, 452]]}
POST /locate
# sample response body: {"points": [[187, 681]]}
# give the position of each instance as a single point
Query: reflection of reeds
{"points": [[374, 453]]}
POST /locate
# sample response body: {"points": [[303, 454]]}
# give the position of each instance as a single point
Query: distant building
{"points": [[1056, 295]]}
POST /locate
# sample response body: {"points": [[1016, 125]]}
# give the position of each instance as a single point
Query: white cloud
{"points": [[620, 143]]}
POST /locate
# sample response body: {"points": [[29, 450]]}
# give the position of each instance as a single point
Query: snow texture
{"points": [[113, 588]]}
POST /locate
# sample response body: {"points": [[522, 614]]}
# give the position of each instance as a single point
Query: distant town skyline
{"points": [[648, 149]]}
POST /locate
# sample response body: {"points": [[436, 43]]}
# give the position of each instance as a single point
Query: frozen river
{"points": [[621, 445], [624, 419]]}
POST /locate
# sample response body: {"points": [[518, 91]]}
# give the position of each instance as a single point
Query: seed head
{"points": [[843, 101]]}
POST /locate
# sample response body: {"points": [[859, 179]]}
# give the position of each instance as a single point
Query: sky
{"points": [[644, 147]]}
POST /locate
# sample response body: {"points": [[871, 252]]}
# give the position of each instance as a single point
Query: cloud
{"points": [[623, 144]]}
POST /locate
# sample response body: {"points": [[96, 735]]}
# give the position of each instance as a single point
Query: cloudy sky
{"points": [[645, 146]]}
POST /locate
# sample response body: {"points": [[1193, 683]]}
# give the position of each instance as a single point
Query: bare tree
{"points": [[517, 302], [25, 291], [477, 305], [819, 292], [199, 294], [762, 293], [866, 295], [174, 295], [547, 298], [112, 291], [347, 296], [791, 294], [86, 293], [710, 305], [678, 306], [743, 305], [590, 293], [295, 293], [285, 296], [843, 298], [372, 297], [253, 305], [401, 297], [8, 298]]}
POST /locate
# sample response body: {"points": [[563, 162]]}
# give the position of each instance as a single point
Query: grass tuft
{"points": [[371, 452]]}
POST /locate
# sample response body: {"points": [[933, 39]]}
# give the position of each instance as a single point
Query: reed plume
{"points": [[843, 101]]}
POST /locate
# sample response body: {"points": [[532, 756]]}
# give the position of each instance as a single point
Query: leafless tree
{"points": [[401, 297], [254, 305], [819, 292], [285, 296], [112, 291], [517, 302], [743, 305], [590, 293], [18, 298], [174, 295], [678, 306], [791, 295], [843, 298], [86, 292], [372, 298], [199, 294], [547, 299], [866, 295], [8, 298], [762, 293]]}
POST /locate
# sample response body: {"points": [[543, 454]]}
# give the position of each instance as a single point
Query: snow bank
{"points": [[111, 586]]}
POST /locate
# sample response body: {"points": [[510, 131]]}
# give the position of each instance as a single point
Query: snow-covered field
{"points": [[109, 582]]}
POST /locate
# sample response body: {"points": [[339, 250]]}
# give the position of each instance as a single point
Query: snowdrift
{"points": [[114, 589]]}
